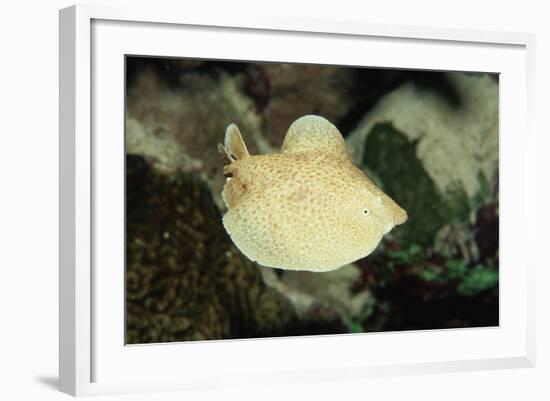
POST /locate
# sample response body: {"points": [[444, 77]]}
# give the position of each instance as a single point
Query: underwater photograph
{"points": [[282, 199]]}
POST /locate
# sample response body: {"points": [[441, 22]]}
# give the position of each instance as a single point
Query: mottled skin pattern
{"points": [[306, 208]]}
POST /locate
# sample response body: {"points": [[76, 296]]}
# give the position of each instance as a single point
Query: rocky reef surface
{"points": [[429, 139]]}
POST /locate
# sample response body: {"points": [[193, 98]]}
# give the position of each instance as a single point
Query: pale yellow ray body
{"points": [[306, 208]]}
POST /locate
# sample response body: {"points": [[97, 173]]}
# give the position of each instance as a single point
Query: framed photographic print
{"points": [[276, 200]]}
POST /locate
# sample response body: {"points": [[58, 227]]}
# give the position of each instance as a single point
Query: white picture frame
{"points": [[93, 357]]}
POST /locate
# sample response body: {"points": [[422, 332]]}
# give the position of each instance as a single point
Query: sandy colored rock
{"points": [[456, 141], [330, 292], [178, 127]]}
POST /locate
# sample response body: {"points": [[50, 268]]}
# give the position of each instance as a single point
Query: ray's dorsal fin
{"points": [[235, 147], [314, 133]]}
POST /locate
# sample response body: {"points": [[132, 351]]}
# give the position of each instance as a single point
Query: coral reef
{"points": [[456, 133], [178, 126], [436, 153], [428, 139], [449, 141], [184, 278]]}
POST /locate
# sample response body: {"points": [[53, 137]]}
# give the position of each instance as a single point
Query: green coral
{"points": [[478, 278], [456, 269], [469, 280], [472, 279], [408, 255]]}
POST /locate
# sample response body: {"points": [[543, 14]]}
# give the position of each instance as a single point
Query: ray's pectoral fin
{"points": [[314, 133]]}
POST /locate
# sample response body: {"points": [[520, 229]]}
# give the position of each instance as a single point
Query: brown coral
{"points": [[184, 279]]}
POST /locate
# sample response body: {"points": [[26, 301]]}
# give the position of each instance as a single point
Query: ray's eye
{"points": [[365, 211]]}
